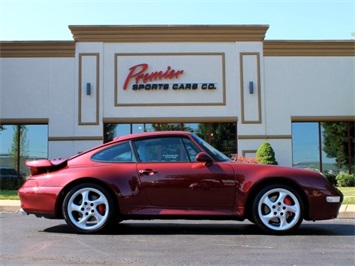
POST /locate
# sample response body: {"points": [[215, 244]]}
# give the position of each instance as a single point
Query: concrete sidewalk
{"points": [[347, 211]]}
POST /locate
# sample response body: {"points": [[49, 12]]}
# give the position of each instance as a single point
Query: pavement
{"points": [[347, 211]]}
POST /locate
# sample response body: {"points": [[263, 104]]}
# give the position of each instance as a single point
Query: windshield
{"points": [[213, 152]]}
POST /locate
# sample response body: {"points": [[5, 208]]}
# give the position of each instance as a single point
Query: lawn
{"points": [[8, 195], [349, 194]]}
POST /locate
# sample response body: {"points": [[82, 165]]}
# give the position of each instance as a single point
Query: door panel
{"points": [[188, 185]]}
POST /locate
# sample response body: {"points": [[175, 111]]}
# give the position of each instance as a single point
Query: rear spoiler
{"points": [[43, 166]]}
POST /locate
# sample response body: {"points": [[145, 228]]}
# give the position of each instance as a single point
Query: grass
{"points": [[8, 195], [349, 194]]}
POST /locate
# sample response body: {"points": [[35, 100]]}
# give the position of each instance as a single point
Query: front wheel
{"points": [[278, 209], [88, 208]]}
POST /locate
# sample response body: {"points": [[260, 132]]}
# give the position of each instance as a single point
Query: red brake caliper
{"points": [[288, 201], [101, 209]]}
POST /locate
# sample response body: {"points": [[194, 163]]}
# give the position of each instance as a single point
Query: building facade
{"points": [[223, 82]]}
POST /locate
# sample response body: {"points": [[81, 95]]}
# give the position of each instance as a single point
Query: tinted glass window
{"points": [[118, 153], [170, 149], [19, 143], [305, 145], [222, 136], [324, 146], [191, 149], [213, 152]]}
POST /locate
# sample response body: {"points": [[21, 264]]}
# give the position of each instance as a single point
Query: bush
{"points": [[242, 159], [331, 178], [11, 183], [345, 180], [313, 169], [265, 154]]}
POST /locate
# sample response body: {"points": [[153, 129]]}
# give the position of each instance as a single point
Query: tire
{"points": [[278, 209], [88, 208]]}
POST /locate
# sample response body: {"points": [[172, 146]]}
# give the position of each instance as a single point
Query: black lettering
{"points": [[211, 86]]}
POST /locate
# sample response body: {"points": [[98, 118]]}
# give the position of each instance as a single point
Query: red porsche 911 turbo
{"points": [[173, 175]]}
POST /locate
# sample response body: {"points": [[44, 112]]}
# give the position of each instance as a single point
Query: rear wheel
{"points": [[88, 208], [278, 209]]}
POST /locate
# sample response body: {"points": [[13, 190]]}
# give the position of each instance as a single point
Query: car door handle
{"points": [[147, 172], [198, 186]]}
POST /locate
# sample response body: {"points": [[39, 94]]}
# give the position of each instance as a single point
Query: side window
{"points": [[191, 149], [169, 149], [118, 153]]}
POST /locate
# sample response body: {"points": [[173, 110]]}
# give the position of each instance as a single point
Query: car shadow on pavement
{"points": [[327, 229], [166, 228]]}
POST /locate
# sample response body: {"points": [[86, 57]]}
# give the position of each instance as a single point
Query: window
{"points": [[191, 149], [169, 149], [214, 153], [22, 142], [326, 146], [305, 145], [222, 136], [118, 153]]}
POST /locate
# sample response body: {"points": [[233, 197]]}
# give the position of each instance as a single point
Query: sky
{"points": [[25, 20]]}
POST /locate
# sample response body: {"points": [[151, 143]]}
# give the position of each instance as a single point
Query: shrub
{"points": [[242, 159], [11, 183], [345, 180], [265, 154], [331, 178], [313, 169]]}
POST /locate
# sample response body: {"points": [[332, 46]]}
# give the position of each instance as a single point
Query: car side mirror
{"points": [[204, 158]]}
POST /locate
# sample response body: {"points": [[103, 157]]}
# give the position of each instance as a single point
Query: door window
{"points": [[169, 149]]}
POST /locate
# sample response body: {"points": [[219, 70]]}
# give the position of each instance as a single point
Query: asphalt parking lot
{"points": [[38, 241]]}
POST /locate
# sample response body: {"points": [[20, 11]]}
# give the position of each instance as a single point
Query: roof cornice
{"points": [[214, 33], [37, 49], [309, 48]]}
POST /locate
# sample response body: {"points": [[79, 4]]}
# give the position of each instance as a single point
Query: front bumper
{"points": [[324, 204]]}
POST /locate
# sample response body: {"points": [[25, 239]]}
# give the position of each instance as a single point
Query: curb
{"points": [[346, 211], [9, 209], [10, 205], [346, 215]]}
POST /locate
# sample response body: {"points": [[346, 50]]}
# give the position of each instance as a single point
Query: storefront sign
{"points": [[173, 79], [139, 74]]}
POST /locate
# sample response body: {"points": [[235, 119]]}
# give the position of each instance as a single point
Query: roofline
{"points": [[57, 49], [168, 33], [309, 48], [37, 49]]}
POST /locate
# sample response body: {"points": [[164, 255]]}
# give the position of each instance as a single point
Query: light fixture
{"points": [[88, 88], [251, 87]]}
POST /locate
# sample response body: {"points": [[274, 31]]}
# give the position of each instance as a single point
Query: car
{"points": [[9, 173], [173, 175]]}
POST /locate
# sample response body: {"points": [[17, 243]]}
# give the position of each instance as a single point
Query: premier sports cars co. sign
{"points": [[169, 79]]}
